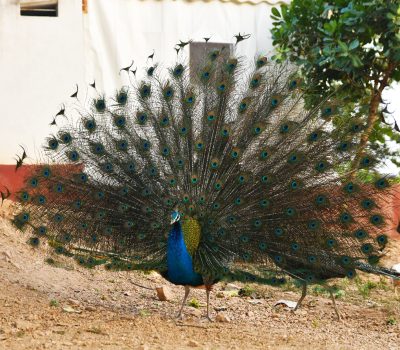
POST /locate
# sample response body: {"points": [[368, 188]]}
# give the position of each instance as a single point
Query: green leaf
{"points": [[275, 12], [355, 60], [330, 27], [355, 43], [343, 47], [284, 10], [327, 51]]}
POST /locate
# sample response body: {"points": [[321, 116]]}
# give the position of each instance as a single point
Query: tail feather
{"points": [[228, 143], [378, 270]]}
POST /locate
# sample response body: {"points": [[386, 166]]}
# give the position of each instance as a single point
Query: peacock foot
{"points": [[179, 317], [338, 316], [209, 318]]}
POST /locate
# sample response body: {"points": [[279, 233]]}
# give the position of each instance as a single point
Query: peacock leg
{"points": [[334, 305], [187, 290], [303, 295], [208, 291]]}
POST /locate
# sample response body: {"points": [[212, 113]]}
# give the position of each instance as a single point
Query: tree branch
{"points": [[372, 116]]}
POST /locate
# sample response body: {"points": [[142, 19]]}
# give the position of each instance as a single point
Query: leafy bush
{"points": [[351, 47]]}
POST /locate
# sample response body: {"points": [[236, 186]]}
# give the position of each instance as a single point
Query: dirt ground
{"points": [[64, 306]]}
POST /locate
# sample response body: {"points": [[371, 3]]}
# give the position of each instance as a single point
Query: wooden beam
{"points": [[84, 6]]}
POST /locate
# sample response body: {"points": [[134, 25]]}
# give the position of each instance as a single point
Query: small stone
{"points": [[229, 293], [220, 308], [90, 308], [195, 312], [231, 287], [127, 293], [164, 293], [221, 317], [290, 304], [250, 313], [73, 302], [71, 310], [193, 343]]}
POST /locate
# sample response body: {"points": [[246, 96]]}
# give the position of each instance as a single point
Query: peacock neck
{"points": [[176, 242], [187, 233], [176, 233]]}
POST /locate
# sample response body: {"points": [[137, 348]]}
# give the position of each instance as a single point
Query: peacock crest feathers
{"points": [[255, 175]]}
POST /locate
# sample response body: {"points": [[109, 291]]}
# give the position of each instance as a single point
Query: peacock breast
{"points": [[191, 230]]}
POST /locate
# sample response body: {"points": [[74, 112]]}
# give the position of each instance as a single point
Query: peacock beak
{"points": [[175, 219]]}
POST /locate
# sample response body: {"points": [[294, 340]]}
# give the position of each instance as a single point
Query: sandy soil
{"points": [[65, 306]]}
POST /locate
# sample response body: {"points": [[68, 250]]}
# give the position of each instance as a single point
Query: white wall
{"points": [[122, 30], [42, 58]]}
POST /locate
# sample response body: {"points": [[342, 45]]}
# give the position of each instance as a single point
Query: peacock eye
{"points": [[150, 71]]}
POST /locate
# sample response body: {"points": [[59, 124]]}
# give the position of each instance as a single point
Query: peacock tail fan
{"points": [[257, 178]]}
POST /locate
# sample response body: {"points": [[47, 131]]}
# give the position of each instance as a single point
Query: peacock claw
{"points": [[339, 317]]}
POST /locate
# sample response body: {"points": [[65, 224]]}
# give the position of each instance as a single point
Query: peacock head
{"points": [[175, 217]]}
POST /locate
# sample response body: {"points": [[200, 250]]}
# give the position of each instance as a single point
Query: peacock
{"points": [[208, 172]]}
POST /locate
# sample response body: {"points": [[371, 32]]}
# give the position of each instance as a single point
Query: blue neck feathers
{"points": [[179, 261]]}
